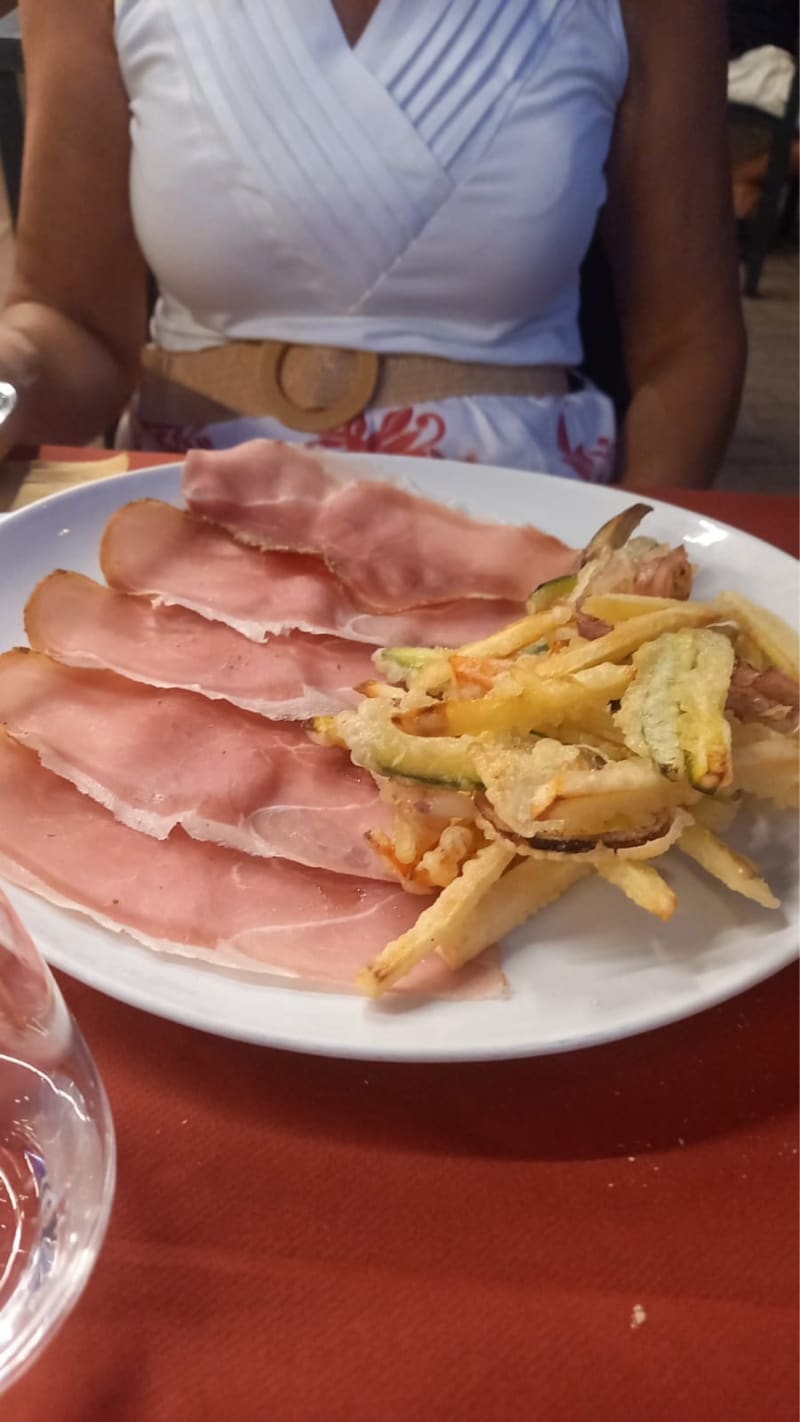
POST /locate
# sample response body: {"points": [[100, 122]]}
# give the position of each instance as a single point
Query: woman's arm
{"points": [[76, 316], [668, 228]]}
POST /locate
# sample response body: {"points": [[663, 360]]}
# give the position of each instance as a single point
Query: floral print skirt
{"points": [[570, 435]]}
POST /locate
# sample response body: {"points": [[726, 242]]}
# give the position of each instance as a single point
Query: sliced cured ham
{"points": [[393, 549], [157, 759], [154, 549], [199, 900], [292, 677]]}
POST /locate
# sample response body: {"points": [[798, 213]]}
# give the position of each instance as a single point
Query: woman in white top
{"points": [[366, 220]]}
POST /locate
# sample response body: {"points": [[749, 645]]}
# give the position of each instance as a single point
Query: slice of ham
{"points": [[201, 901], [642, 566], [769, 696], [288, 678], [393, 549], [154, 549], [157, 759]]}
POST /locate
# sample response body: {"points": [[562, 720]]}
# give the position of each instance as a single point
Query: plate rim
{"points": [[395, 1053], [347, 459], [392, 1049]]}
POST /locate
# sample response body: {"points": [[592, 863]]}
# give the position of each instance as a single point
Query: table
{"points": [[606, 1234]]}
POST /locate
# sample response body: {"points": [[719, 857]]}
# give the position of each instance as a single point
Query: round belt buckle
{"points": [[359, 392]]}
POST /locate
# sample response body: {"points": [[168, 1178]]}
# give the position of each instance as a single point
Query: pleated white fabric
{"points": [[432, 189]]}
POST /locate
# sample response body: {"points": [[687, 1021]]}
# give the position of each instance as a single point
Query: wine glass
{"points": [[57, 1153]]}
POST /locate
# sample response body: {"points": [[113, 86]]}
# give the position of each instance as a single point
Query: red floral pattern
{"points": [[397, 432], [593, 465], [404, 431]]}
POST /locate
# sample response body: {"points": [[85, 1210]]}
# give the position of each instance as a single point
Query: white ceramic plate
{"points": [[590, 969]]}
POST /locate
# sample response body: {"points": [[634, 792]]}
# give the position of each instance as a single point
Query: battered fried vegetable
{"points": [[641, 883], [621, 607], [398, 663], [441, 926], [615, 532], [555, 590], [734, 870], [615, 646], [522, 892], [674, 711], [777, 642], [604, 730], [536, 706], [377, 744]]}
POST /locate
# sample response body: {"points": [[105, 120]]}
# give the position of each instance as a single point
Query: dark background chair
{"points": [[753, 134]]}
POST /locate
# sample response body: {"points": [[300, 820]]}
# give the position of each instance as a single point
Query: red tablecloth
{"points": [[607, 1234]]}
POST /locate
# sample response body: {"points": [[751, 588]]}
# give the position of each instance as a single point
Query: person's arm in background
{"points": [[75, 321], [669, 232]]}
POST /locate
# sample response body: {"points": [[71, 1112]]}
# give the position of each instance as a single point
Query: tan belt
{"points": [[314, 388]]}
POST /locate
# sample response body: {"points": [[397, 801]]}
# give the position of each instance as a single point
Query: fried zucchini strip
{"points": [[674, 711], [380, 746]]}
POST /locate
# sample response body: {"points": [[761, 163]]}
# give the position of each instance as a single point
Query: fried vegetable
{"points": [[608, 678], [621, 607], [377, 744], [539, 707], [554, 788], [522, 782], [777, 642], [421, 814], [431, 669], [440, 865], [374, 689], [518, 635], [554, 590], [674, 711], [525, 759], [476, 674], [325, 730], [610, 810], [432, 868], [705, 732], [442, 925], [647, 840], [640, 883], [615, 532], [522, 892], [386, 851], [625, 639], [735, 871], [398, 663]]}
